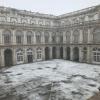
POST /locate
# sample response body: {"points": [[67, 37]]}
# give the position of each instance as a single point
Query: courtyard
{"points": [[50, 80]]}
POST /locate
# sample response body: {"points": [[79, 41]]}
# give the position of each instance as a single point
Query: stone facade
{"points": [[27, 37]]}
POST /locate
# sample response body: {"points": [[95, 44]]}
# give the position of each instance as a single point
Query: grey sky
{"points": [[55, 7]]}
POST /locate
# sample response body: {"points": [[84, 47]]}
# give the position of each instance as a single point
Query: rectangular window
{"points": [[18, 39], [29, 40], [6, 39]]}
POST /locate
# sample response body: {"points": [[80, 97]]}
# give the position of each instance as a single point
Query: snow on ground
{"points": [[74, 81]]}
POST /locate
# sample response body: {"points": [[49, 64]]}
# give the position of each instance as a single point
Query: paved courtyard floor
{"points": [[68, 80]]}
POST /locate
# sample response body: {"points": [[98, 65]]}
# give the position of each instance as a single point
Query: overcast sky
{"points": [[55, 7]]}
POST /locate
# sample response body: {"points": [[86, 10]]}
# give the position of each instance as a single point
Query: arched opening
{"points": [[68, 53], [47, 53], [29, 56], [54, 53], [8, 57], [61, 53], [76, 54], [84, 54]]}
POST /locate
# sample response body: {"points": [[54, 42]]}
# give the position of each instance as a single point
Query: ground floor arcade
{"points": [[28, 54]]}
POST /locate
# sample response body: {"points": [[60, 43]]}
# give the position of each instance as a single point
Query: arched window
{"points": [[60, 37], [39, 53], [96, 35], [67, 22], [32, 21], [7, 37], [68, 37], [38, 37], [85, 36], [76, 36], [96, 54], [24, 20], [20, 56], [29, 37], [54, 38], [46, 37], [3, 19], [13, 20], [19, 37]]}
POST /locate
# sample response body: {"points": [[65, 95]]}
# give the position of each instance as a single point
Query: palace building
{"points": [[27, 37]]}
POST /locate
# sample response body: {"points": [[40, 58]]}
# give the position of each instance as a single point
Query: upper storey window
{"points": [[32, 21], [67, 22], [40, 22], [68, 37], [76, 36], [2, 18], [13, 20], [46, 37], [19, 37], [7, 37], [60, 37], [96, 35], [75, 21], [29, 37], [38, 37], [54, 38], [24, 20], [47, 23]]}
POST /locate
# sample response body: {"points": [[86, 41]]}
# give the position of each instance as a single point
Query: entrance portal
{"points": [[8, 57]]}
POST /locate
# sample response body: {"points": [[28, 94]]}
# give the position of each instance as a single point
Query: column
{"points": [[89, 55], [14, 57], [71, 53], [58, 52], [64, 53], [80, 54], [2, 58], [25, 55], [34, 54], [50, 52], [43, 53]]}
